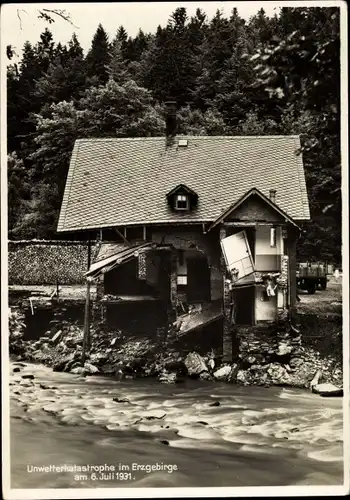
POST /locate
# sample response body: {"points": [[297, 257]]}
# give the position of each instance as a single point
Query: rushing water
{"points": [[251, 436]]}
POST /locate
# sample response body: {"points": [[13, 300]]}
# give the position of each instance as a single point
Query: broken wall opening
{"points": [[46, 318], [243, 299], [147, 274]]}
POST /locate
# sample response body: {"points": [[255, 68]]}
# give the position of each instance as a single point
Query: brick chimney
{"points": [[170, 121], [273, 195]]}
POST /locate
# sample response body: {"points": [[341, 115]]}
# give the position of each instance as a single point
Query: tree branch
{"points": [[58, 12]]}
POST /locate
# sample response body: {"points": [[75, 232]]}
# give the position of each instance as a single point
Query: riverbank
{"points": [[215, 435], [281, 358]]}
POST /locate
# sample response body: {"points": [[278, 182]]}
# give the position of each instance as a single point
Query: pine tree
{"points": [[65, 77], [117, 67], [13, 109], [18, 190], [214, 52], [98, 57], [168, 65]]}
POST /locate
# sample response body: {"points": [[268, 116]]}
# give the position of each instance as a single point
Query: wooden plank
{"points": [[122, 236], [250, 224], [86, 338]]}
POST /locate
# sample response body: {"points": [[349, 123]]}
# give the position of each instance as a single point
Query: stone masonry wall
{"points": [[46, 262]]}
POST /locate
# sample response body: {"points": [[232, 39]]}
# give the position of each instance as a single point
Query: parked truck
{"points": [[311, 275]]}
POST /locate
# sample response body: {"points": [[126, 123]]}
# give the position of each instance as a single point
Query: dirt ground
{"points": [[65, 291], [323, 302]]}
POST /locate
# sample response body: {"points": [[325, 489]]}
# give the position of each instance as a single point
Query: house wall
{"points": [[267, 257], [265, 307]]}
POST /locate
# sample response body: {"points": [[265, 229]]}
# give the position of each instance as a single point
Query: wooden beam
{"points": [[89, 253], [251, 224], [121, 235], [86, 338], [144, 233]]}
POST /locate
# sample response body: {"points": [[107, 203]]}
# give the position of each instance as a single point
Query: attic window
{"points": [[182, 202], [182, 197], [183, 142]]}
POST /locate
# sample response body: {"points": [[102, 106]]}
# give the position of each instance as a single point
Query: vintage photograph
{"points": [[173, 254]]}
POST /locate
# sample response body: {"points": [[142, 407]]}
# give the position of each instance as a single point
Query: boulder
{"points": [[59, 365], [251, 359], [168, 378], [89, 368], [78, 370], [278, 374], [72, 364], [243, 377], [327, 390], [284, 349], [121, 400], [98, 358], [205, 376], [195, 364], [223, 372]]}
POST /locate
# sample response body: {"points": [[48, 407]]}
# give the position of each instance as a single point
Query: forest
{"points": [[265, 76]]}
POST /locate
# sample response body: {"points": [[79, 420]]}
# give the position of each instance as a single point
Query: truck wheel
{"points": [[311, 289]]}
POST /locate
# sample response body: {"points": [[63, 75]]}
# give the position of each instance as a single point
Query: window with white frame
{"points": [[181, 202]]}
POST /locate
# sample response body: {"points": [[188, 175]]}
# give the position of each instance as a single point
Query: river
{"points": [[212, 434]]}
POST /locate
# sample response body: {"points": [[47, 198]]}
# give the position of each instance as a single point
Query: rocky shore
{"points": [[264, 358]]}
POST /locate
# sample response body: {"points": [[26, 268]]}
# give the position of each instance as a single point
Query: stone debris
{"points": [[121, 400], [56, 337], [195, 364], [223, 372], [89, 368], [267, 355], [168, 378], [327, 390], [79, 370]]}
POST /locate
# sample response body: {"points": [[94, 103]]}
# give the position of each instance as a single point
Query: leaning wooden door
{"points": [[198, 280]]}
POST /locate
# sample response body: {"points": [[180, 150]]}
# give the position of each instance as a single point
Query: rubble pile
{"points": [[16, 331], [268, 355]]}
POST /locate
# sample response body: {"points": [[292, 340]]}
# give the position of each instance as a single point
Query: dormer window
{"points": [[182, 198], [182, 202]]}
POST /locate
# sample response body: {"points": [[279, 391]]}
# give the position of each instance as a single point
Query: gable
{"points": [[181, 189], [255, 209]]}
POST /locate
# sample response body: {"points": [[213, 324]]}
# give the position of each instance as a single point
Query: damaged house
{"points": [[192, 229]]}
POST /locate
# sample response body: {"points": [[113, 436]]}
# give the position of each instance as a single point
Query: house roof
{"points": [[123, 254], [125, 181]]}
